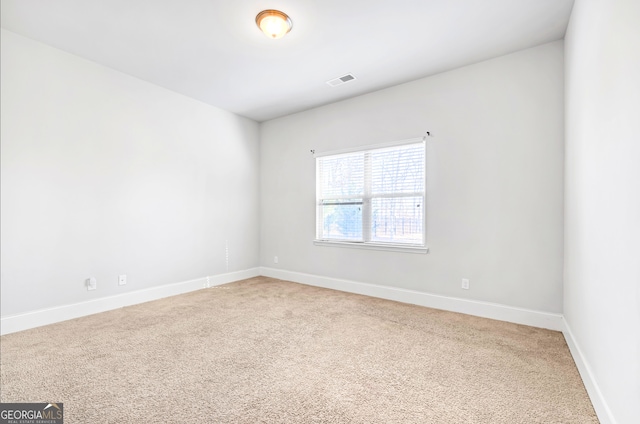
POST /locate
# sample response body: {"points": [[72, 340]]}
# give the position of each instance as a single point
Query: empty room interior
{"points": [[378, 212]]}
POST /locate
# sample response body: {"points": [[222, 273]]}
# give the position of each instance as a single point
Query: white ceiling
{"points": [[211, 50]]}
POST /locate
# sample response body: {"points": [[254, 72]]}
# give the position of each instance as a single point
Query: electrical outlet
{"points": [[91, 283], [465, 283], [122, 280], [275, 259]]}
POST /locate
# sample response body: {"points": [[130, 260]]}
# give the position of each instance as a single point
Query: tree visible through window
{"points": [[372, 196]]}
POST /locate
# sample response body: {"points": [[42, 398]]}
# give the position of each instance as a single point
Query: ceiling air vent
{"points": [[341, 80]]}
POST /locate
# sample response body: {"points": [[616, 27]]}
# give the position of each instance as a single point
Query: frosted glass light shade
{"points": [[273, 23]]}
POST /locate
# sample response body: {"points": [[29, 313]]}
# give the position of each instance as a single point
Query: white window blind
{"points": [[373, 196]]}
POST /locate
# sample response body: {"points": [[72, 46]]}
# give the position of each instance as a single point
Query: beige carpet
{"points": [[270, 351]]}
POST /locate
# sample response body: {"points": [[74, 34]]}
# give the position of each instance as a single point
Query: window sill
{"points": [[373, 246]]}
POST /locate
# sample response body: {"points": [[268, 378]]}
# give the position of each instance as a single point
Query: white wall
{"points": [[104, 174], [602, 217], [494, 189]]}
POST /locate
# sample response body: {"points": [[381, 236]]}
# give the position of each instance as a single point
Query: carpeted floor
{"points": [[270, 351]]}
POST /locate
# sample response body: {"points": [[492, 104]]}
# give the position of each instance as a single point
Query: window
{"points": [[372, 197]]}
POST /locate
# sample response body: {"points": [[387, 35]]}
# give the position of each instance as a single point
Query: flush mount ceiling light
{"points": [[273, 23]]}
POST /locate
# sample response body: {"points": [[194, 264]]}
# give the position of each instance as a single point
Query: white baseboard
{"points": [[496, 311], [590, 383], [14, 323]]}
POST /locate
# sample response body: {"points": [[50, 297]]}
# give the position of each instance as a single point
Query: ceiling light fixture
{"points": [[273, 23]]}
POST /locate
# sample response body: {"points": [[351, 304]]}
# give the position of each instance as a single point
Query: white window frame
{"points": [[366, 205]]}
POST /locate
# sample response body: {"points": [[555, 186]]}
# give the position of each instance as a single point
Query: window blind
{"points": [[372, 196]]}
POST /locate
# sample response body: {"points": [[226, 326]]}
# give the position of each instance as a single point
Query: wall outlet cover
{"points": [[91, 283]]}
